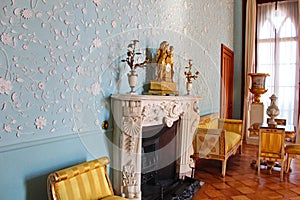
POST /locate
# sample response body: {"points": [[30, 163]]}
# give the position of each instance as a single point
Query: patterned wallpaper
{"points": [[60, 60]]}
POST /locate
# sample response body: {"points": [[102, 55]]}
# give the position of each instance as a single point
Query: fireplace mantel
{"points": [[130, 114]]}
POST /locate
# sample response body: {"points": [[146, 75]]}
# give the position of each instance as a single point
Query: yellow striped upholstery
{"points": [[271, 147], [232, 125], [231, 139], [88, 180]]}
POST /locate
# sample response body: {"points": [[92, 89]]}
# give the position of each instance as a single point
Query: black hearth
{"points": [[158, 161]]}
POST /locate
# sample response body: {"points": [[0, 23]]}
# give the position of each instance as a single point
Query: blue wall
{"points": [[60, 62]]}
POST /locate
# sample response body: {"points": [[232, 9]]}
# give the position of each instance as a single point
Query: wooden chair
{"points": [[271, 148], [292, 150]]}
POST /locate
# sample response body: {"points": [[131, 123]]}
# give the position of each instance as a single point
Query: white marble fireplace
{"points": [[133, 112]]}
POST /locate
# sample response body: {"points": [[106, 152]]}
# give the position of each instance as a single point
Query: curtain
{"points": [[278, 55], [298, 128], [250, 34]]}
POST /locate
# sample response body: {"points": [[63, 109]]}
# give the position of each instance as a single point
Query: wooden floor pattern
{"points": [[242, 182]]}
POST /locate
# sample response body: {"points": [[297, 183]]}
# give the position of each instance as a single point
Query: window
{"points": [[277, 55]]}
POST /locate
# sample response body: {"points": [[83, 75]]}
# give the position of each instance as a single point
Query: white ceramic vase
{"points": [[132, 80], [273, 111], [189, 87]]}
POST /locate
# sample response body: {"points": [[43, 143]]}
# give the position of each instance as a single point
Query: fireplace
{"points": [[158, 161], [144, 127]]}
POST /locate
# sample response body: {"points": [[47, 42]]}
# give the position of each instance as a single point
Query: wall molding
{"points": [[32, 143]]}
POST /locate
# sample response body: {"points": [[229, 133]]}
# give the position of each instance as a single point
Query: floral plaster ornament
{"points": [[7, 128], [3, 106], [84, 11], [25, 46], [17, 12], [97, 42], [96, 89], [40, 122], [41, 85], [114, 24], [41, 70], [97, 2], [5, 86], [18, 134], [26, 13], [14, 97], [6, 39], [38, 15]]}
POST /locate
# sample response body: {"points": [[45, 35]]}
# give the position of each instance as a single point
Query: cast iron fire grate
{"points": [[179, 190]]}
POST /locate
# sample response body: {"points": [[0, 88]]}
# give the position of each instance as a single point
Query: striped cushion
{"points": [[231, 139], [232, 125], [85, 181]]}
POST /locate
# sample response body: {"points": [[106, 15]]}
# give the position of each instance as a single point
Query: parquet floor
{"points": [[242, 182]]}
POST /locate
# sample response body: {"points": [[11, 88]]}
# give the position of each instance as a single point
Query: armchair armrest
{"points": [[231, 125], [208, 141]]}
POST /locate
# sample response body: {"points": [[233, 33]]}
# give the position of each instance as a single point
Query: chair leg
{"points": [[258, 166], [282, 170], [224, 162], [288, 165], [270, 166]]}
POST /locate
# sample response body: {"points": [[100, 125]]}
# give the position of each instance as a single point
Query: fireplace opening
{"points": [[158, 161]]}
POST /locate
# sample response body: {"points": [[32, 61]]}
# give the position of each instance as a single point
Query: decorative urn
{"points": [[258, 85], [272, 111], [132, 80]]}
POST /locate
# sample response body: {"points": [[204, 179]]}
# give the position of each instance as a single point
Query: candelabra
{"points": [[189, 76], [130, 60]]}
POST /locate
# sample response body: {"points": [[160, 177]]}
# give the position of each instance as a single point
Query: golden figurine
{"points": [[161, 57], [169, 61], [164, 83]]}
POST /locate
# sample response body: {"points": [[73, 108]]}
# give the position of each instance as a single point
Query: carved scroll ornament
{"points": [[173, 110], [167, 112]]}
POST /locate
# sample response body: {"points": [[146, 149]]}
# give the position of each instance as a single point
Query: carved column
{"points": [[127, 152], [188, 125]]}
